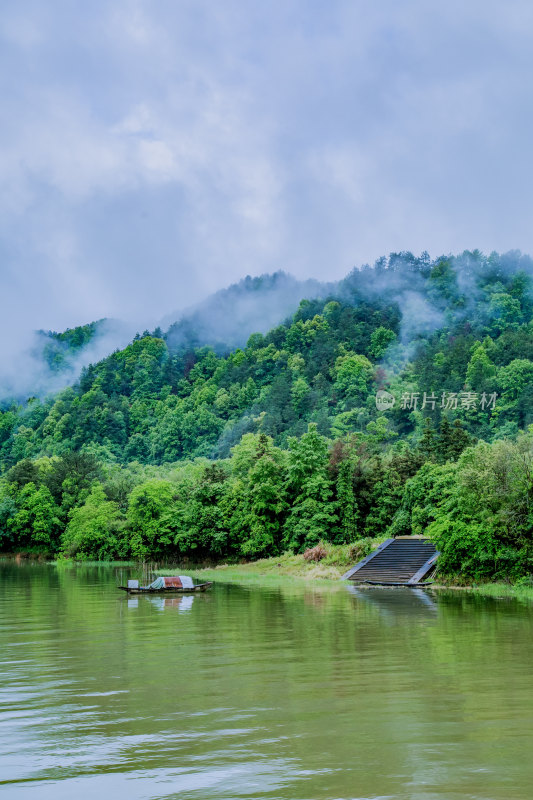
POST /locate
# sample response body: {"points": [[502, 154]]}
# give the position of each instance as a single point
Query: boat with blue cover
{"points": [[173, 584]]}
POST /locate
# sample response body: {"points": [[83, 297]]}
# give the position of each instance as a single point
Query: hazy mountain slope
{"points": [[48, 361], [396, 405], [227, 318], [410, 326], [59, 350]]}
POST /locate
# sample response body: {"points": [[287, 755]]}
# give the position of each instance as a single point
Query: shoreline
{"points": [[295, 568], [288, 568]]}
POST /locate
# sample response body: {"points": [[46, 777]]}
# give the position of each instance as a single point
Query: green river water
{"points": [[293, 691]]}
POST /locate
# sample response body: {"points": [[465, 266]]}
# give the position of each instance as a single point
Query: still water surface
{"points": [[293, 692]]}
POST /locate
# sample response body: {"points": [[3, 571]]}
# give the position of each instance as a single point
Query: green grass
{"points": [[516, 591], [288, 567], [337, 560], [498, 590], [72, 562]]}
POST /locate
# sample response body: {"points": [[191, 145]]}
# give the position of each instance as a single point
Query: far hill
{"points": [[226, 319], [408, 325], [398, 401]]}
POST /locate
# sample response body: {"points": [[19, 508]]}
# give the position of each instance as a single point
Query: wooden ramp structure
{"points": [[404, 561]]}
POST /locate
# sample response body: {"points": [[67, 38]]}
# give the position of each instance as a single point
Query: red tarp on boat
{"points": [[173, 580]]}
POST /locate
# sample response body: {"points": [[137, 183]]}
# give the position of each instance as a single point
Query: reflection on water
{"points": [[294, 691], [183, 603], [398, 602]]}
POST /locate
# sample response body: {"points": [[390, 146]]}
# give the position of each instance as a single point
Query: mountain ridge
{"points": [[399, 403]]}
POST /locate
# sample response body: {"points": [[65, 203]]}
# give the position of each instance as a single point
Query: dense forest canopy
{"points": [[48, 361], [174, 448], [59, 349]]}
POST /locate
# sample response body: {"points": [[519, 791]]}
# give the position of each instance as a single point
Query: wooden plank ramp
{"points": [[397, 562]]}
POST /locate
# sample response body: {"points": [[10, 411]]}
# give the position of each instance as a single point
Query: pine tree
{"points": [[348, 511], [428, 445]]}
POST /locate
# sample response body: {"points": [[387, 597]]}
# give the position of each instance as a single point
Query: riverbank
{"points": [[497, 590], [289, 567], [325, 562], [331, 568]]}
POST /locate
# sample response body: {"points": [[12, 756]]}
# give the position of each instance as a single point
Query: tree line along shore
{"points": [[192, 453]]}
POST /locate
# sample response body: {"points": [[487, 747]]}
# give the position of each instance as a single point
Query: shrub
{"points": [[316, 553]]}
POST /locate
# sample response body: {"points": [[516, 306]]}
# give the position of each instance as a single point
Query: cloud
{"points": [[25, 373], [153, 153]]}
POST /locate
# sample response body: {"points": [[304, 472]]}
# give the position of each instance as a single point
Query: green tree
{"points": [[312, 514], [505, 312], [264, 493], [483, 520], [515, 377], [380, 340], [25, 471], [94, 529], [149, 518], [353, 373], [36, 522], [480, 370], [202, 527], [348, 512]]}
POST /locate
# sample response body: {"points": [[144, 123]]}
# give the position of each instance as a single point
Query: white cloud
{"points": [[154, 152]]}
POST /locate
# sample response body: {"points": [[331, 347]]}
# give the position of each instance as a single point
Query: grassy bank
{"points": [[287, 567], [498, 590], [334, 561], [331, 568]]}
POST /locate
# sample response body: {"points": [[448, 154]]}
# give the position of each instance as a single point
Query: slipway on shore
{"points": [[404, 561]]}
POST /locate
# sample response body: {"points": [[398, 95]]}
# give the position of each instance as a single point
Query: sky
{"points": [[153, 152]]}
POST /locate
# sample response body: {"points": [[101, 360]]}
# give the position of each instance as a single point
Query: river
{"points": [[290, 691]]}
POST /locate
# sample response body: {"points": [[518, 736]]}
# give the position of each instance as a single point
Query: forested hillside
{"points": [[45, 362], [170, 450], [58, 350]]}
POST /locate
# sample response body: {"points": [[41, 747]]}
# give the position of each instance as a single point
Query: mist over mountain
{"points": [[427, 293], [408, 322], [153, 153], [47, 361], [254, 305], [44, 362], [368, 411]]}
